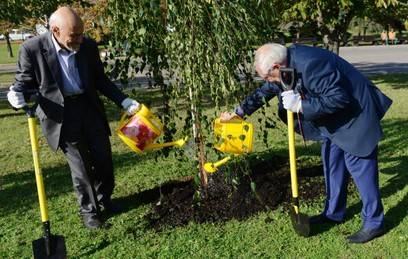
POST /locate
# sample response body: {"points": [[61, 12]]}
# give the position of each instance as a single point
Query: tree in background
{"points": [[333, 17], [94, 16], [18, 12], [5, 27], [389, 14]]}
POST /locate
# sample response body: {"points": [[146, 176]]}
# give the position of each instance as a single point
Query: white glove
{"points": [[292, 101], [16, 99], [130, 106]]}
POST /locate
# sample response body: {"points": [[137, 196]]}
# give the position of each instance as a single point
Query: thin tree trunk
{"points": [[198, 139], [336, 48], [9, 49]]}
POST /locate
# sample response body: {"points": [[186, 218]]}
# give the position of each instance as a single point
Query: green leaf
{"points": [[141, 31]]}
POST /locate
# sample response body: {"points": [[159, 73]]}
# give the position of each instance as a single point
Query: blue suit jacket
{"points": [[340, 103]]}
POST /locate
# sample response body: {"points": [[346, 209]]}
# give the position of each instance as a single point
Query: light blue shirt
{"points": [[71, 82]]}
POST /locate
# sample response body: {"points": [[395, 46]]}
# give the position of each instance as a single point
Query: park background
{"points": [[137, 39]]}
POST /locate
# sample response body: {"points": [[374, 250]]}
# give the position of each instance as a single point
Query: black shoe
{"points": [[365, 235], [92, 221], [322, 219], [111, 207]]}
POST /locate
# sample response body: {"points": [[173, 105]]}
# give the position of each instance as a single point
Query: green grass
{"points": [[131, 237], [4, 57], [6, 79]]}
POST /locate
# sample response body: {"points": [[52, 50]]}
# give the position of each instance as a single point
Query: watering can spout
{"points": [[213, 167], [177, 143]]}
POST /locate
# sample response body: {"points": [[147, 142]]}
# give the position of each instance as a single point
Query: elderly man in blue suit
{"points": [[339, 106]]}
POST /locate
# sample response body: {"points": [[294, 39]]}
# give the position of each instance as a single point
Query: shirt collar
{"points": [[58, 47]]}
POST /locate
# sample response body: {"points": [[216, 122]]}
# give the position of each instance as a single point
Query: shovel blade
{"points": [[300, 223], [57, 249]]}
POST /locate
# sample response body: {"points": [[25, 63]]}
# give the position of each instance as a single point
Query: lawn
{"points": [[4, 57], [266, 234], [6, 79]]}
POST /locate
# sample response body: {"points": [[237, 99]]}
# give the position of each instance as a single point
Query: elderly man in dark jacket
{"points": [[67, 72], [341, 107]]}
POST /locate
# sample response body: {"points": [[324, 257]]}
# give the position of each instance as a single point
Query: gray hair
{"points": [[268, 55]]}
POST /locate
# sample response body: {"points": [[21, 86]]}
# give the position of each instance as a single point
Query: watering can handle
{"points": [[123, 118]]}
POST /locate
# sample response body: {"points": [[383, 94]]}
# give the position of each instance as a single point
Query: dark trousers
{"points": [[85, 143], [364, 171]]}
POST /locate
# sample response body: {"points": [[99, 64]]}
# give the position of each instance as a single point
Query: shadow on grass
{"points": [[18, 190], [394, 149], [7, 111], [149, 196], [93, 248], [396, 81], [21, 190]]}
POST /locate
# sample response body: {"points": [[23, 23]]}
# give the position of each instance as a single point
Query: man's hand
{"points": [[16, 99], [292, 101], [130, 106], [228, 116]]}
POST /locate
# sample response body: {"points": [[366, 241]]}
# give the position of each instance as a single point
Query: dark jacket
{"points": [[340, 103], [38, 69]]}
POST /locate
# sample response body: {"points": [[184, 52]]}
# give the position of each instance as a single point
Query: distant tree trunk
{"points": [[336, 46], [333, 43], [9, 49]]}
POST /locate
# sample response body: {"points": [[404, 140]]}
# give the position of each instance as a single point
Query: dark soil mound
{"points": [[234, 196]]}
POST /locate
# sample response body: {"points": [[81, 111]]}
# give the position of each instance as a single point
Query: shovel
{"points": [[49, 246], [299, 220]]}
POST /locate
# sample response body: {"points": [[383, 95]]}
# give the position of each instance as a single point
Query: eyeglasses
{"points": [[269, 75]]}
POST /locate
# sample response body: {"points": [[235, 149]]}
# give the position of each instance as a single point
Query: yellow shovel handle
{"points": [[38, 176], [292, 155]]}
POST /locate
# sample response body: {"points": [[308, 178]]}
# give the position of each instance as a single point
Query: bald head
{"points": [[67, 28]]}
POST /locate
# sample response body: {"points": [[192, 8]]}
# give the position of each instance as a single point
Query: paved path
{"points": [[7, 68], [368, 59], [377, 59]]}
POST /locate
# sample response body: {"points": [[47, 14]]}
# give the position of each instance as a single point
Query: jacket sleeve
{"points": [[25, 79], [103, 83], [328, 94], [257, 98]]}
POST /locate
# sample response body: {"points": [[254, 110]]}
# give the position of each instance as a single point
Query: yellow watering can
{"points": [[234, 137], [141, 129]]}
